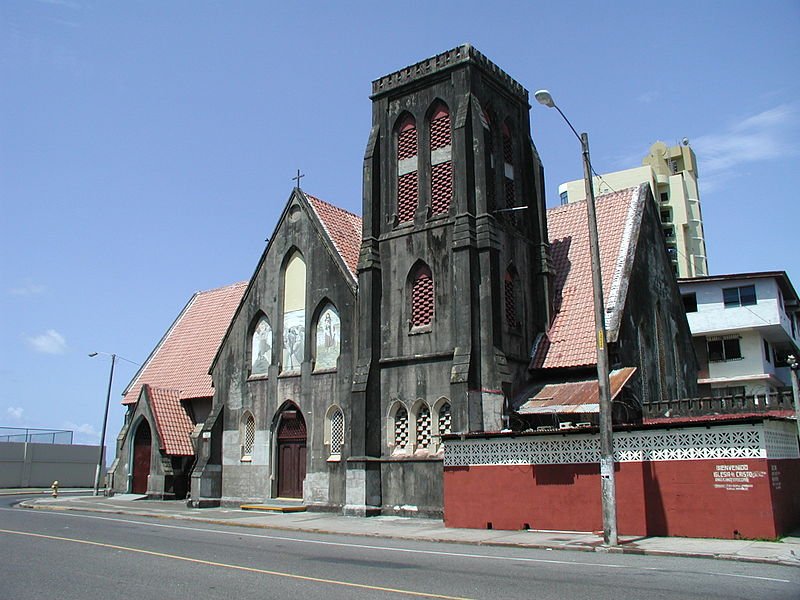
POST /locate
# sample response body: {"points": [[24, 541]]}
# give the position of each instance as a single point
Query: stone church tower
{"points": [[453, 276]]}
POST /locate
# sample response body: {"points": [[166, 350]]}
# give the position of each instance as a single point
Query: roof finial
{"points": [[297, 178]]}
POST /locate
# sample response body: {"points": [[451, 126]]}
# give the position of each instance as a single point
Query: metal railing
{"points": [[35, 436], [724, 405]]}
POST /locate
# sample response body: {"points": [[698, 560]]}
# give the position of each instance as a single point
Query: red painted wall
{"points": [[748, 498]]}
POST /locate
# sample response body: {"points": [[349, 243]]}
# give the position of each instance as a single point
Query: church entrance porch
{"points": [[291, 452], [142, 442]]}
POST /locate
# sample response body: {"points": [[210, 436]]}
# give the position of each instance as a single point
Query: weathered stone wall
{"points": [[654, 310], [470, 354], [264, 395]]}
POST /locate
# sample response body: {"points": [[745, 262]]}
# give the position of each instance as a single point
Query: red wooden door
{"points": [[291, 454], [141, 459]]}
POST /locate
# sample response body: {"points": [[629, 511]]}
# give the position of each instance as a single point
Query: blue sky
{"points": [[147, 148]]}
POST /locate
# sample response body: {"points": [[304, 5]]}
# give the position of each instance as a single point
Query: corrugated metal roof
{"points": [[574, 396]]}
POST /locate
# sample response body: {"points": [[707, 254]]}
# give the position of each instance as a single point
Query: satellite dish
{"points": [[685, 141]]}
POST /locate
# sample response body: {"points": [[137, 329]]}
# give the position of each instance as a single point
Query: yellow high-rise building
{"points": [[672, 175]]}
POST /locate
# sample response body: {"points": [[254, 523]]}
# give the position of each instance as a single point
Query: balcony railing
{"points": [[724, 405]]}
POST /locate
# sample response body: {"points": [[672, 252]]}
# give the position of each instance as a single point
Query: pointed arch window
{"points": [[407, 183], [509, 191], [328, 339], [444, 419], [399, 422], [334, 432], [511, 298], [248, 437], [261, 347], [294, 313], [441, 160], [422, 297], [423, 427]]}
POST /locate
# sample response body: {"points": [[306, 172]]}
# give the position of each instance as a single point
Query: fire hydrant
{"points": [[54, 487]]}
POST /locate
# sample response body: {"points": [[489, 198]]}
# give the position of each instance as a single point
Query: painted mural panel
{"points": [[328, 336], [294, 333], [262, 348]]}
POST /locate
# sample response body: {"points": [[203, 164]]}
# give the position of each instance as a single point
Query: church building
{"points": [[359, 343]]}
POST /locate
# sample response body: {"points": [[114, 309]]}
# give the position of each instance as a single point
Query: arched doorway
{"points": [[142, 443], [291, 452]]}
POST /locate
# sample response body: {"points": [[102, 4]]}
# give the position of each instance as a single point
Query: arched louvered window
{"points": [[444, 419], [441, 161], [407, 186], [511, 294], [422, 297], [248, 437], [423, 427], [334, 431], [508, 169], [400, 429]]}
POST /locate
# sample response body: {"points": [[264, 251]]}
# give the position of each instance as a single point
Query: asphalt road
{"points": [[68, 555]]}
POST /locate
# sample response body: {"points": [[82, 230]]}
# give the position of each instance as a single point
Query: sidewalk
{"points": [[785, 552]]}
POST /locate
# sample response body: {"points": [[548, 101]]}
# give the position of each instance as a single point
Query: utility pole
{"points": [[607, 483], [793, 365]]}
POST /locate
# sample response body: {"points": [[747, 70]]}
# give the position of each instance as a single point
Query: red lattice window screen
{"points": [[511, 300], [509, 192], [441, 187], [422, 298], [407, 187], [508, 155], [440, 130], [441, 162]]}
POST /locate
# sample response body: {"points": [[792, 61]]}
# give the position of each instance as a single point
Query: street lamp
{"points": [[608, 497], [101, 459]]}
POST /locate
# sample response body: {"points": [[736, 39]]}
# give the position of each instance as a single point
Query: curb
{"points": [[536, 546]]}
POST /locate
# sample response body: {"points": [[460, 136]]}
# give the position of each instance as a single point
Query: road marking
{"points": [[348, 545], [392, 549], [235, 567]]}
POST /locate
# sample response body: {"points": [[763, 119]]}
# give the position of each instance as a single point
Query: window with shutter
{"points": [[407, 187]]}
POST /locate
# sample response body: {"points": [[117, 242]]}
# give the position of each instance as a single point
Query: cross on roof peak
{"points": [[297, 178]]}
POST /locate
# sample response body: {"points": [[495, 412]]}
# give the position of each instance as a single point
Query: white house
{"points": [[743, 326]]}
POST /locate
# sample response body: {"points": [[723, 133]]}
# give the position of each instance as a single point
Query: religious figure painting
{"points": [[262, 348], [328, 335], [294, 333]]}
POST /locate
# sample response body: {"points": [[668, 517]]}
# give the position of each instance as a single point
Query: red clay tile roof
{"points": [[344, 229], [181, 359], [173, 424], [570, 340], [575, 396]]}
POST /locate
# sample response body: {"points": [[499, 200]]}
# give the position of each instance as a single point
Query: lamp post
{"points": [[608, 497], [101, 459]]}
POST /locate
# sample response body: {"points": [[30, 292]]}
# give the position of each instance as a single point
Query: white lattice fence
{"points": [[764, 440]]}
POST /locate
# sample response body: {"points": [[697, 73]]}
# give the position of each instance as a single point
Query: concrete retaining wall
{"points": [[38, 465]]}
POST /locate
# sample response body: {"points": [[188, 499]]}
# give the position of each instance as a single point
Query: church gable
{"points": [[288, 356]]}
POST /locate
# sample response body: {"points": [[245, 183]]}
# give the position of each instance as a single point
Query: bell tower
{"points": [[453, 273]]}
